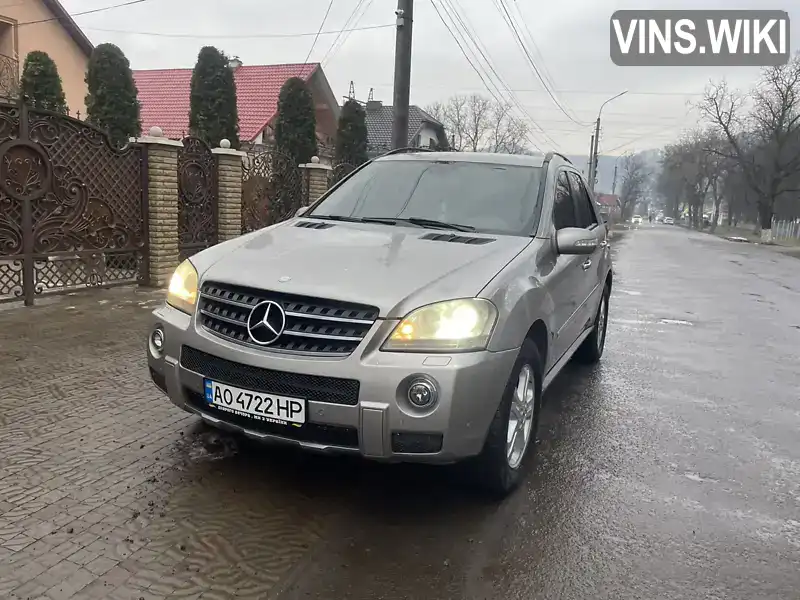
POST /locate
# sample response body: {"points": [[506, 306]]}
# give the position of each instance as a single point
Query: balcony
{"points": [[9, 78]]}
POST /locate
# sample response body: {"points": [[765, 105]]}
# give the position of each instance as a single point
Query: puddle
{"points": [[630, 292], [212, 445]]}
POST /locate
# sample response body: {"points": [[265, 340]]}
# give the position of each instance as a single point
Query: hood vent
{"points": [[456, 239], [314, 225]]}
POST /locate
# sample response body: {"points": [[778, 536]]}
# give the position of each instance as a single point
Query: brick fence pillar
{"points": [[317, 177], [162, 208], [229, 199]]}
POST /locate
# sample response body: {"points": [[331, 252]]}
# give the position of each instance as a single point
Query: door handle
{"points": [[587, 264]]}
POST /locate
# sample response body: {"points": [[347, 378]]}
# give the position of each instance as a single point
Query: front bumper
{"points": [[377, 422]]}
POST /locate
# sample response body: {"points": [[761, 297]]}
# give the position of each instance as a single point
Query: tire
{"points": [[493, 470], [591, 350]]}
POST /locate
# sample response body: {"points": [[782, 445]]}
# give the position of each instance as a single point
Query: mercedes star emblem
{"points": [[266, 322]]}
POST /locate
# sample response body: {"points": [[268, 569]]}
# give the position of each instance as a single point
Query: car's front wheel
{"points": [[512, 434]]}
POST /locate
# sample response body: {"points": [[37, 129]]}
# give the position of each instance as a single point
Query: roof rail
{"points": [[551, 154], [406, 150]]}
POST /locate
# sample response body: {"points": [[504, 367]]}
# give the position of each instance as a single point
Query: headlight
{"points": [[182, 292], [454, 325]]}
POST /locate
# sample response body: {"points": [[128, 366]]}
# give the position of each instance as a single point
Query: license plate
{"points": [[256, 405]]}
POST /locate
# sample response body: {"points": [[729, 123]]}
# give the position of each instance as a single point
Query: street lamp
{"points": [[593, 157]]}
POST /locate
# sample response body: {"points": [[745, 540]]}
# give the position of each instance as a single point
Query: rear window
{"points": [[489, 197]]}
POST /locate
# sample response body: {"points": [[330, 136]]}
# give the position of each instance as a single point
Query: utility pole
{"points": [[595, 140], [402, 73], [614, 185], [591, 159]]}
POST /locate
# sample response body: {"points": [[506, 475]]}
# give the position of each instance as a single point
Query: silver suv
{"points": [[416, 312]]}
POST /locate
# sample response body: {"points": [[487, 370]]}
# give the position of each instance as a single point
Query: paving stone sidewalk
{"points": [[109, 491]]}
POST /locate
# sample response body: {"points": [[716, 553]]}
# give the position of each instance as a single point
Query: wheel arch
{"points": [[540, 336]]}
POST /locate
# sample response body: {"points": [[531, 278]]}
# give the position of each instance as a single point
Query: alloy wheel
{"points": [[520, 419]]}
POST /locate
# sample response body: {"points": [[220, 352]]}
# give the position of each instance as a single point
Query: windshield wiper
{"points": [[336, 218], [381, 220], [434, 224], [418, 221]]}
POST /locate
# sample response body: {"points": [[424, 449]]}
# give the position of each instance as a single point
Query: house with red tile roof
{"points": [[609, 205], [164, 99], [609, 200]]}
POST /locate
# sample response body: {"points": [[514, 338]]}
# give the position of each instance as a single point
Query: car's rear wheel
{"points": [[591, 350], [512, 434]]}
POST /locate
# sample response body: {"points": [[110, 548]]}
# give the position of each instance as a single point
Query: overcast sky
{"points": [[571, 47]]}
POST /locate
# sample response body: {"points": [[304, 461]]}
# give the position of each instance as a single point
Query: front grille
{"points": [[313, 325], [331, 435], [296, 385]]}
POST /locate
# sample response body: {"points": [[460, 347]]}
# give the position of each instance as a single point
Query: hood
{"points": [[390, 267]]}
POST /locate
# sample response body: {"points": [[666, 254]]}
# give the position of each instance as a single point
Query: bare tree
{"points": [[634, 182], [478, 124], [763, 140]]}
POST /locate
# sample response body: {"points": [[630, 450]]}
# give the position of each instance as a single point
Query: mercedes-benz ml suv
{"points": [[415, 312]]}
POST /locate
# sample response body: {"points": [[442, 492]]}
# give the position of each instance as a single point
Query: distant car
{"points": [[669, 221], [637, 220], [659, 218]]}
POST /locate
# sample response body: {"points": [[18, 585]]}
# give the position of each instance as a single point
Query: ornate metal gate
{"points": [[272, 189], [197, 197], [71, 206]]}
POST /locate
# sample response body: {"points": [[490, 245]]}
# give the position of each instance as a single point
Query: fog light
{"points": [[422, 393], [157, 338]]}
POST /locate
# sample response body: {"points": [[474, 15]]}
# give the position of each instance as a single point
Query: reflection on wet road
{"points": [[670, 471]]}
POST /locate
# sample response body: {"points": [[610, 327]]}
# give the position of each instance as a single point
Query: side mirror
{"points": [[301, 211], [574, 240]]}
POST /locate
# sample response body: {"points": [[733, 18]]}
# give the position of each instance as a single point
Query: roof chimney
{"points": [[234, 63], [374, 104]]}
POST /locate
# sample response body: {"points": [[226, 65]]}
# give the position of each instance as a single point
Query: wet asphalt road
{"points": [[670, 471]]}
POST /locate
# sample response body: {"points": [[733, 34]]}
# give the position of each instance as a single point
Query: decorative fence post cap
{"points": [[155, 131], [315, 160], [224, 143]]}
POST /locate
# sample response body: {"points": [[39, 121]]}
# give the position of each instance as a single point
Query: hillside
{"points": [[605, 168]]}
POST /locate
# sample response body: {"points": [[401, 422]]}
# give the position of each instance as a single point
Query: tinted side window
{"points": [[583, 204], [563, 205]]}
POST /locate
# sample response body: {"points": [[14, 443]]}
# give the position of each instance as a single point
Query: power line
{"points": [[509, 20], [235, 35], [649, 133], [468, 30], [85, 12], [334, 49], [536, 49], [321, 25], [483, 75], [469, 60], [541, 91], [346, 25]]}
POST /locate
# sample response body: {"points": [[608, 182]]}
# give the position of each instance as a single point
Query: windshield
{"points": [[490, 198]]}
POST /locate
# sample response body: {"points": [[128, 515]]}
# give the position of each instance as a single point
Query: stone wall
{"points": [[162, 189], [229, 178], [162, 213], [316, 174]]}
